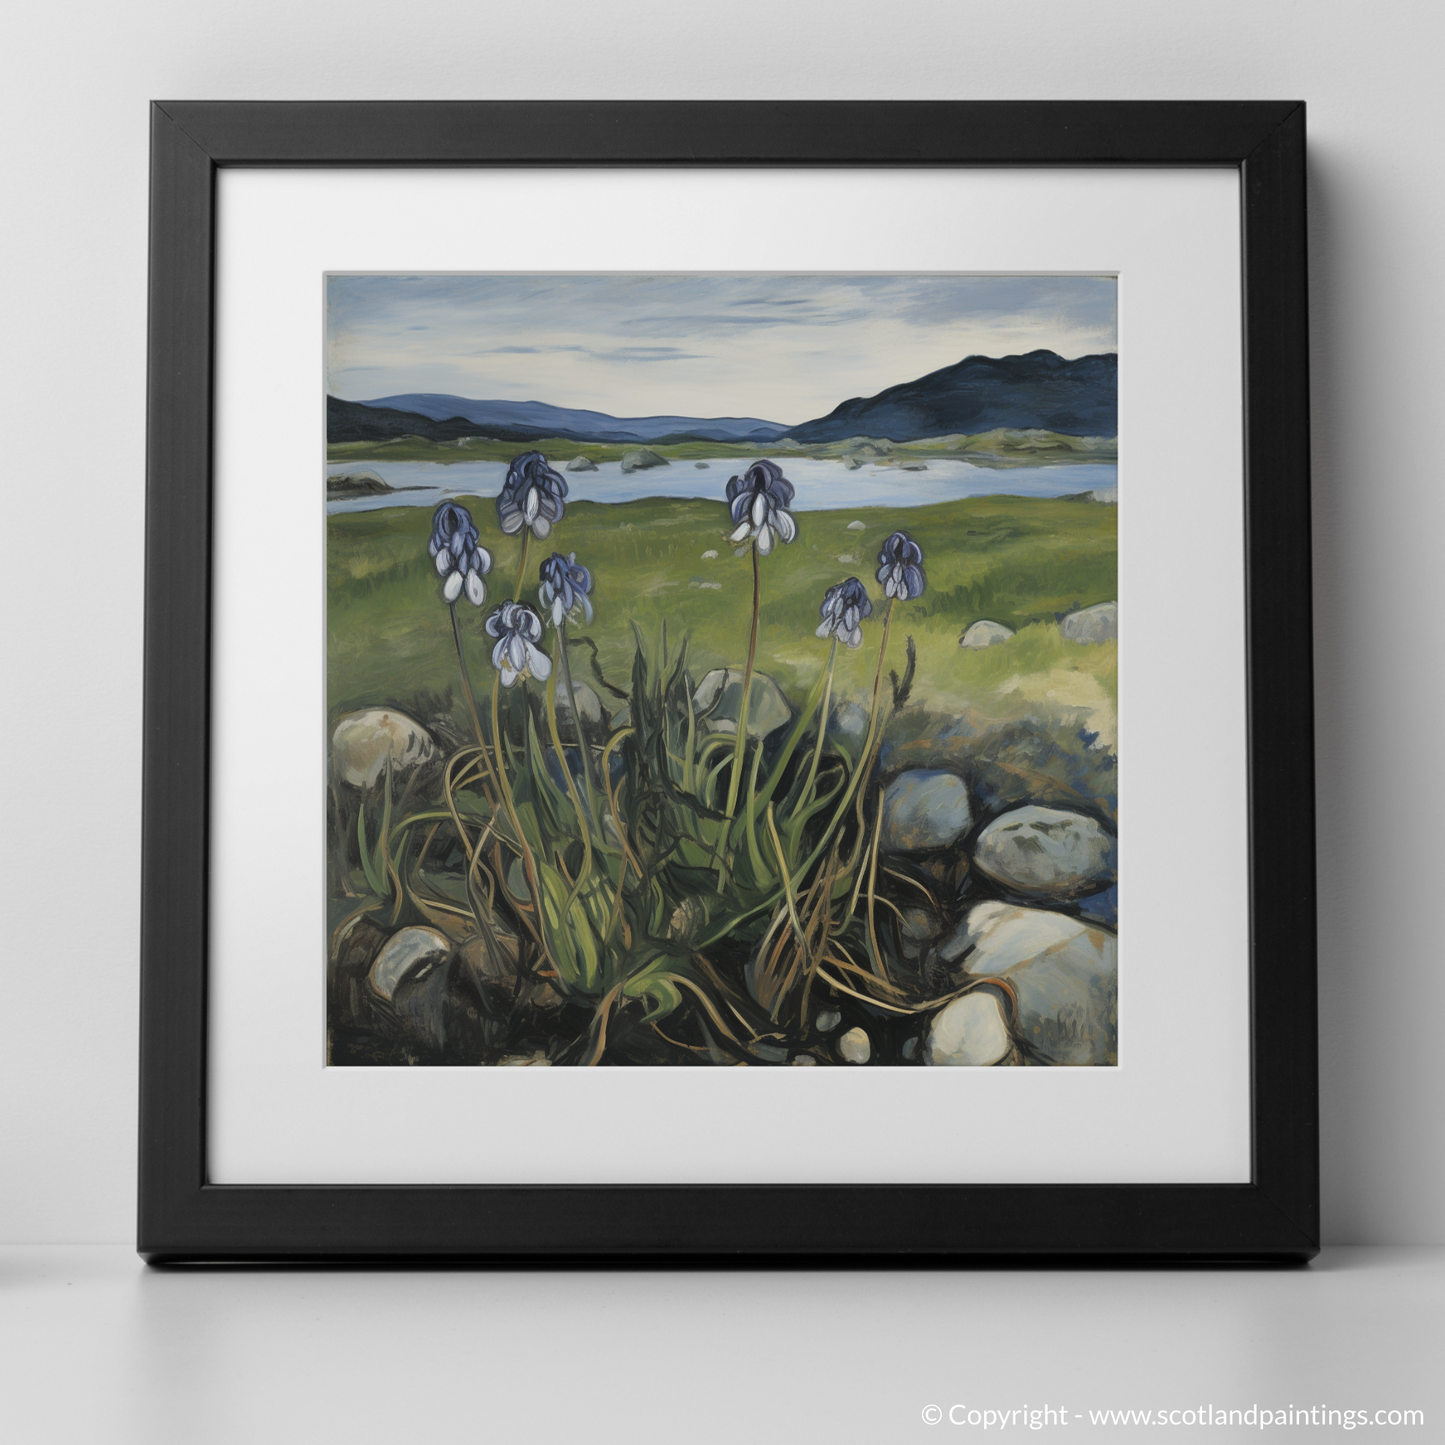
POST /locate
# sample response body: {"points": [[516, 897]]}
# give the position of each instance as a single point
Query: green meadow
{"points": [[1016, 560]]}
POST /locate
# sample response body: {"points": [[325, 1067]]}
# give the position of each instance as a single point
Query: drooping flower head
{"points": [[900, 568], [532, 496], [458, 554], [518, 630], [844, 607], [759, 502], [565, 583]]}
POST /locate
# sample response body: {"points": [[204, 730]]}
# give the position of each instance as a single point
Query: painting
{"points": [[721, 670]]}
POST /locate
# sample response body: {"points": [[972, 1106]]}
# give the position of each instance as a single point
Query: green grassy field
{"points": [[1015, 560], [998, 448]]}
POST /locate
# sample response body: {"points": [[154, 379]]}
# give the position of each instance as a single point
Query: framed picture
{"points": [[667, 625]]}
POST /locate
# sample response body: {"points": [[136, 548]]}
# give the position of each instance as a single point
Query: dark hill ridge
{"points": [[509, 420], [1039, 390]]}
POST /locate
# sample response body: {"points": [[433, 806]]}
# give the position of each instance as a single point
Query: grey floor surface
{"points": [[95, 1347]]}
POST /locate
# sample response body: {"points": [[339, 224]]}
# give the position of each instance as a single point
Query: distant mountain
{"points": [[354, 421], [456, 416], [1037, 391]]}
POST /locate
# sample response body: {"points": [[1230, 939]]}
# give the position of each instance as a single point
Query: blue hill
{"points": [[538, 419]]}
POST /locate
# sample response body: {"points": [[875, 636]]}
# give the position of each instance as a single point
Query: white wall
{"points": [[77, 78]]}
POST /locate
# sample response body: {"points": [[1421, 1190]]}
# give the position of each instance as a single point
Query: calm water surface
{"points": [[821, 483]]}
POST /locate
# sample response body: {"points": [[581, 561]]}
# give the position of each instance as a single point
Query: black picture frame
{"points": [[1274, 1217]]}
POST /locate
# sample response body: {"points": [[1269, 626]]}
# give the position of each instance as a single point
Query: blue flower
{"points": [[844, 607], [458, 556], [759, 502], [564, 585], [900, 568], [532, 496], [518, 629]]}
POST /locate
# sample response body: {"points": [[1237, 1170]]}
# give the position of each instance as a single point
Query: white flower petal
{"points": [[740, 533], [760, 510], [586, 607], [532, 505], [486, 562], [787, 527], [558, 612], [855, 638], [509, 677], [540, 528], [476, 589], [452, 587], [539, 663], [444, 561], [824, 630], [765, 540]]}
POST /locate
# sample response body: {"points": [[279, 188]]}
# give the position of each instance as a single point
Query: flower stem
{"points": [[582, 743], [865, 764], [741, 746], [529, 865], [522, 565], [822, 723], [584, 821], [470, 692]]}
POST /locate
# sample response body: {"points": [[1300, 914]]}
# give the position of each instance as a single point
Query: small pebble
{"points": [[828, 1020], [854, 1048]]}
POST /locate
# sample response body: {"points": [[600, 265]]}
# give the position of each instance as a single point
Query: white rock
{"points": [[970, 1033], [363, 741], [828, 1020], [401, 953], [854, 1047], [1092, 624], [857, 527], [985, 634], [1063, 972], [710, 555]]}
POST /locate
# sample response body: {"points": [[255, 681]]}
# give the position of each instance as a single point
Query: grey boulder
{"points": [[985, 634], [588, 704], [1092, 624], [924, 810], [719, 697], [364, 742], [852, 463], [1047, 852], [640, 459], [1063, 973], [581, 464]]}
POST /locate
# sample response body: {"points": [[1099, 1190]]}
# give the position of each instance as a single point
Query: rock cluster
{"points": [[1034, 984]]}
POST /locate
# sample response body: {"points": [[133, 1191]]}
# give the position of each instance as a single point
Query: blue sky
{"points": [[784, 348]]}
